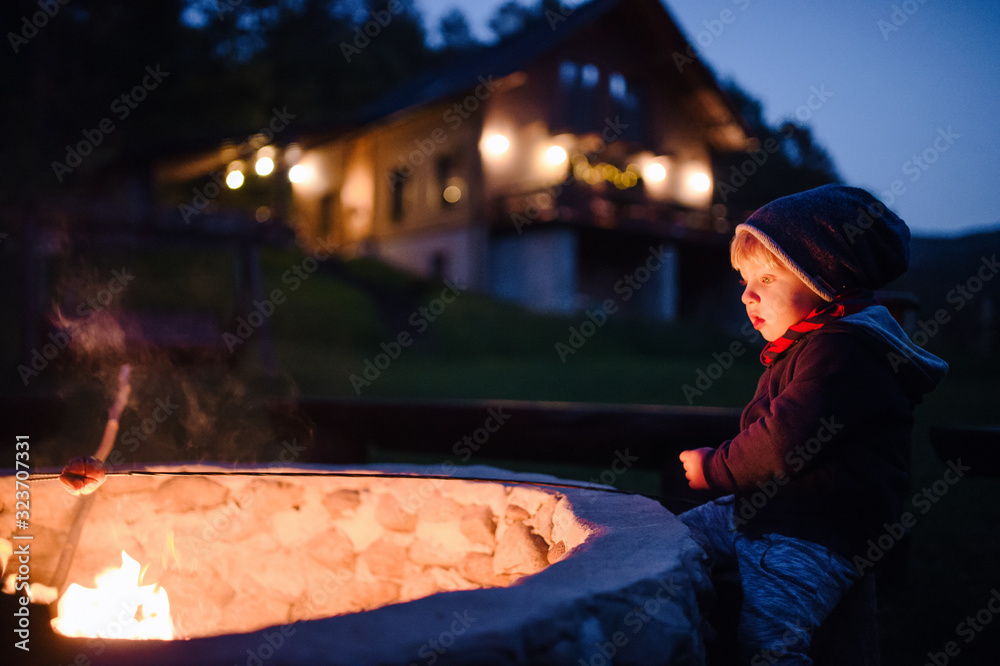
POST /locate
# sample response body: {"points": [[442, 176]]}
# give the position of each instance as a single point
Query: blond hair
{"points": [[746, 247]]}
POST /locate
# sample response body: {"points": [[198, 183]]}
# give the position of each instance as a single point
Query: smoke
{"points": [[190, 401]]}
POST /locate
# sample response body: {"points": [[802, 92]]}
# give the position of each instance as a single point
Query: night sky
{"points": [[904, 95]]}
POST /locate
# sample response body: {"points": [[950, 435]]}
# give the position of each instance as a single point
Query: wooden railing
{"points": [[602, 436]]}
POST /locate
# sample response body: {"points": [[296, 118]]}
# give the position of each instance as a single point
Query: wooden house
{"points": [[565, 166]]}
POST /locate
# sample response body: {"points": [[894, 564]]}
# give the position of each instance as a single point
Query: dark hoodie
{"points": [[824, 452]]}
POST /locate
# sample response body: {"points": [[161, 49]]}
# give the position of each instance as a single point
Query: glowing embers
{"points": [[119, 607]]}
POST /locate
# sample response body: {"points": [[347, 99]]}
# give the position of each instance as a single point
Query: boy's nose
{"points": [[749, 296]]}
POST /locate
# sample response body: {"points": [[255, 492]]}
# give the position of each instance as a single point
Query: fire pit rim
{"points": [[635, 545]]}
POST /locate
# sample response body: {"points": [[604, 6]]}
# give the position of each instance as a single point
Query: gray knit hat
{"points": [[834, 238]]}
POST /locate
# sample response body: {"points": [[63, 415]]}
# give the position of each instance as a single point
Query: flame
{"points": [[118, 608], [170, 549]]}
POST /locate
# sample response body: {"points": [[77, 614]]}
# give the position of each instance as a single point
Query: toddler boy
{"points": [[822, 460]]}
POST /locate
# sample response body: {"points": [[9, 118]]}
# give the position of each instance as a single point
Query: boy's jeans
{"points": [[789, 585]]}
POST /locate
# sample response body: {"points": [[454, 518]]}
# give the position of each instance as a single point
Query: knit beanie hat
{"points": [[834, 238]]}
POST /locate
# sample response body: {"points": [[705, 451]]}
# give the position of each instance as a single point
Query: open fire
{"points": [[118, 607]]}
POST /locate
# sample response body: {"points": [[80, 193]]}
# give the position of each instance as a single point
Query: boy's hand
{"points": [[694, 470]]}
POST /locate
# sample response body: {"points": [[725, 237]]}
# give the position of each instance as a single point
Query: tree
{"points": [[509, 19], [84, 93], [226, 65], [787, 160], [455, 31], [812, 160]]}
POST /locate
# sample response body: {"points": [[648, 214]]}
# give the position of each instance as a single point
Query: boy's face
{"points": [[775, 298]]}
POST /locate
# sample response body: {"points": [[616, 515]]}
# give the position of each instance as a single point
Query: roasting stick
{"points": [[82, 476], [115, 413]]}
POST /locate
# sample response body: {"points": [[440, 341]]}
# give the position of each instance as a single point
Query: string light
{"points": [[264, 166]]}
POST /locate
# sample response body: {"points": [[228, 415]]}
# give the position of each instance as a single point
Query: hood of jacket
{"points": [[919, 370]]}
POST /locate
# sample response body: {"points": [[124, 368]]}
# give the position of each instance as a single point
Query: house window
{"points": [[590, 76], [624, 103], [590, 97], [327, 208], [450, 184], [579, 83], [439, 266], [618, 88], [568, 71], [397, 189]]}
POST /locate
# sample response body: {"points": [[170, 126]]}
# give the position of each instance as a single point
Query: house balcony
{"points": [[602, 205]]}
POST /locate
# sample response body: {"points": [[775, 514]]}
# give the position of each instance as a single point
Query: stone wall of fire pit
{"points": [[238, 553], [311, 557]]}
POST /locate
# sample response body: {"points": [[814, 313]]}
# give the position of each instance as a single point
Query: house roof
{"points": [[651, 29]]}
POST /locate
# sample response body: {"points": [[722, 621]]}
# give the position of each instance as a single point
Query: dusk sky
{"points": [[905, 95]]}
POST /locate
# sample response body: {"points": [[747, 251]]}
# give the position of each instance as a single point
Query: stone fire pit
{"points": [[383, 569]]}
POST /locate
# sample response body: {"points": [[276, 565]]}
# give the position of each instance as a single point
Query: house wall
{"points": [[319, 214], [680, 136], [456, 254], [672, 118], [518, 110], [415, 146], [349, 200], [640, 275], [537, 270]]}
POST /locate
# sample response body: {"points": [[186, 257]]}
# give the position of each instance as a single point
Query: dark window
{"points": [[624, 101], [579, 84], [439, 265], [397, 187], [445, 172], [327, 215]]}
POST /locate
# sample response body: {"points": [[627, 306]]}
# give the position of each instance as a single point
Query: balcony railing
{"points": [[602, 205]]}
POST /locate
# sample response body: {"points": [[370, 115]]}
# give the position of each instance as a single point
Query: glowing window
{"points": [[568, 72], [617, 87]]}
